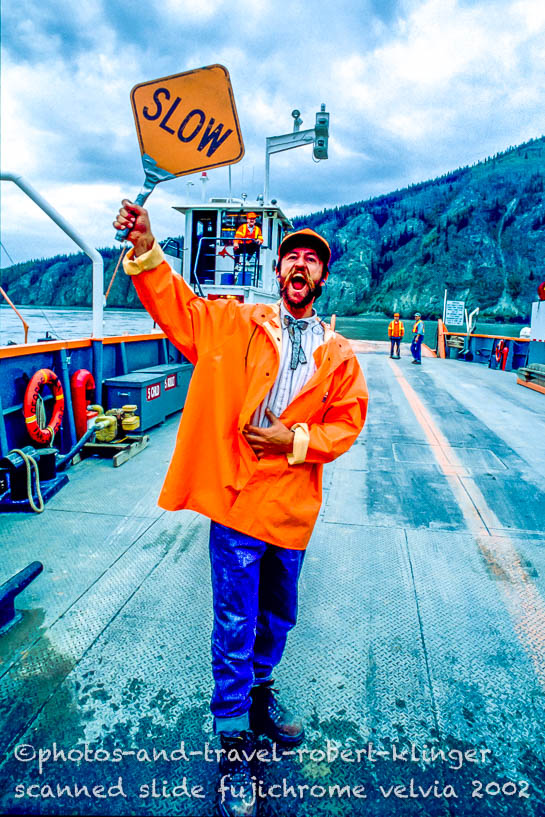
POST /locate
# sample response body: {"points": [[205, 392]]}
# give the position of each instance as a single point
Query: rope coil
{"points": [[30, 463]]}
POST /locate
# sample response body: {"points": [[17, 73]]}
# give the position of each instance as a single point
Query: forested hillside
{"points": [[66, 280], [478, 231]]}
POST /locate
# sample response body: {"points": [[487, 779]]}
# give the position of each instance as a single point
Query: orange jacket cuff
{"points": [[148, 260], [300, 444]]}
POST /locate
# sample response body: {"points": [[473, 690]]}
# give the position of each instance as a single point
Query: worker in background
{"points": [[418, 337], [248, 239], [396, 330]]}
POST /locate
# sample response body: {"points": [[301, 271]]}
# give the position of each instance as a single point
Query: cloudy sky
{"points": [[414, 88]]}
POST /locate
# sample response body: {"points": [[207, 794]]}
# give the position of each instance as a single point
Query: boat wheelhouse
{"points": [[207, 260]]}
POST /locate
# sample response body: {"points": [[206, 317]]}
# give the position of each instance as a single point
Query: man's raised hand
{"points": [[135, 219]]}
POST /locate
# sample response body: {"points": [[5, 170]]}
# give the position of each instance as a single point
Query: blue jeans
{"points": [[394, 344], [415, 347], [254, 586]]}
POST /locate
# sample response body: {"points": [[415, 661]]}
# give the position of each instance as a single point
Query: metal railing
{"points": [[215, 258], [94, 255], [173, 246], [25, 324]]}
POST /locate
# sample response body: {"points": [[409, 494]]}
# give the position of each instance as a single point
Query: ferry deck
{"points": [[420, 646]]}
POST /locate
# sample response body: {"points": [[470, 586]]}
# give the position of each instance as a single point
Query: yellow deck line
{"points": [[524, 602]]}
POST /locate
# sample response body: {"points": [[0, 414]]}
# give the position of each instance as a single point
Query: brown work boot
{"points": [[236, 792], [269, 717]]}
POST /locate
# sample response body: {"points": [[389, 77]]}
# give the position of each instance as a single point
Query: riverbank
{"points": [[76, 322]]}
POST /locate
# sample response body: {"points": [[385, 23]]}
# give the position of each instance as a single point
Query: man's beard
{"points": [[308, 299], [314, 290]]}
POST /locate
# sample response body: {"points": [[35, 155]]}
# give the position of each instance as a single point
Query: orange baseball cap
{"points": [[251, 215], [306, 237]]}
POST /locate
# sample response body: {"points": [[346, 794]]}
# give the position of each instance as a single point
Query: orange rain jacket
{"points": [[396, 329], [236, 351]]}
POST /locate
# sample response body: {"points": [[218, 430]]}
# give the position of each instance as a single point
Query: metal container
{"points": [[175, 379], [145, 389]]}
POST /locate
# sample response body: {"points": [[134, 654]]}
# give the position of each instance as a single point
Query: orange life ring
{"points": [[541, 291], [39, 379], [499, 349]]}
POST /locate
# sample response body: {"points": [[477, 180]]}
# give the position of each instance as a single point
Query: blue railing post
{"points": [[98, 368], [68, 407], [3, 434]]}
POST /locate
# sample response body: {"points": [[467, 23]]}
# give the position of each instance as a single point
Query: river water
{"points": [[76, 322], [68, 323]]}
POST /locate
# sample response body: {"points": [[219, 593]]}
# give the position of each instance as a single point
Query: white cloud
{"points": [[445, 65], [441, 42], [179, 10], [413, 88], [532, 13]]}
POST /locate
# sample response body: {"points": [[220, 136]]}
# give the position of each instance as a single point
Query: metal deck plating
{"points": [[422, 622]]}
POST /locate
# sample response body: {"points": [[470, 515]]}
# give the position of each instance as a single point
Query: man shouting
{"points": [[275, 394]]}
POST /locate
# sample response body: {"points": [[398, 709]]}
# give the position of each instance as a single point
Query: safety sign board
{"points": [[454, 313], [538, 321], [188, 122]]}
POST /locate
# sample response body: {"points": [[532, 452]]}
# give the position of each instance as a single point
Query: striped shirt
{"points": [[289, 382]]}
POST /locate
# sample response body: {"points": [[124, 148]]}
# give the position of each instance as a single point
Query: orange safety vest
{"points": [[236, 351], [244, 232], [415, 328], [396, 329]]}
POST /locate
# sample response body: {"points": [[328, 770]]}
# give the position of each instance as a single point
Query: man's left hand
{"points": [[277, 439]]}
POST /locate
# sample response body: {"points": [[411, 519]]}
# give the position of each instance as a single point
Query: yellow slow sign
{"points": [[188, 122]]}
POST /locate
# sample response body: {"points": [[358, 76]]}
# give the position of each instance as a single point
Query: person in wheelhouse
{"points": [[274, 395], [247, 241]]}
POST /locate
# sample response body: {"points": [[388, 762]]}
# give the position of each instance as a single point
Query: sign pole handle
{"points": [[445, 306], [141, 198]]}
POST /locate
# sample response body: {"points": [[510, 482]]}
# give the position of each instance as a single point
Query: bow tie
{"points": [[295, 328]]}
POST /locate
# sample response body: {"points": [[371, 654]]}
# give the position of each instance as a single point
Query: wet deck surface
{"points": [[422, 622]]}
